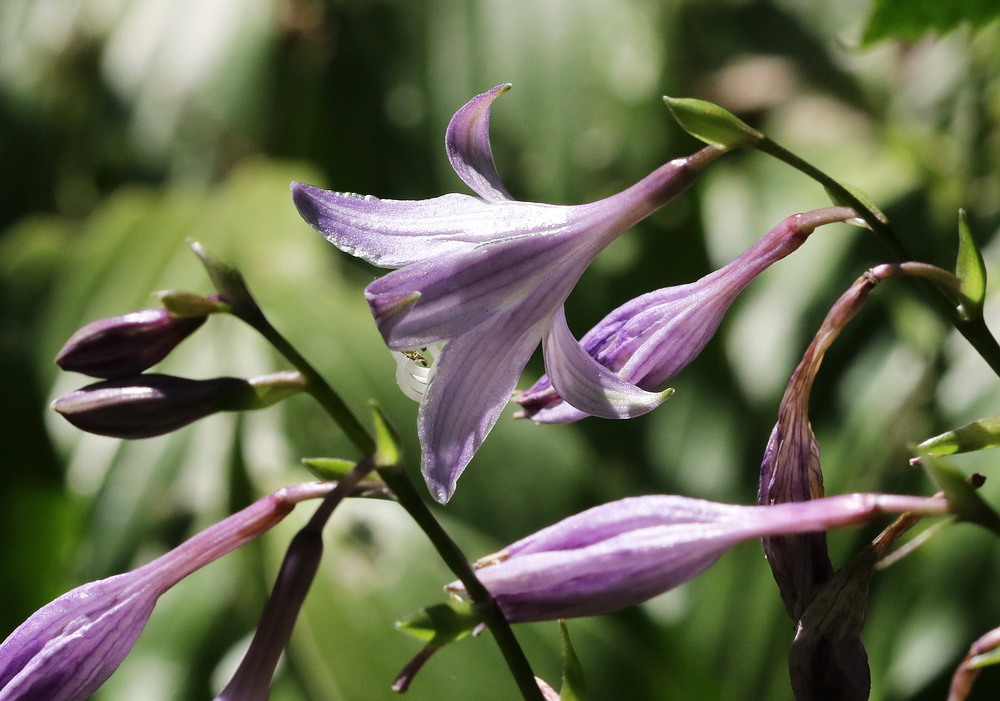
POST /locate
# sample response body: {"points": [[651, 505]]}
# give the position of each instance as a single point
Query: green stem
{"points": [[973, 329], [456, 561], [318, 387], [399, 482]]}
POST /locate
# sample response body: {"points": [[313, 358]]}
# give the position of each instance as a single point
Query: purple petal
{"points": [[586, 384], [394, 233], [467, 142], [472, 382], [68, 648], [632, 513], [460, 291], [603, 577]]}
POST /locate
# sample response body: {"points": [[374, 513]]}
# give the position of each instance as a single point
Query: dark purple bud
{"points": [[125, 345], [148, 405]]}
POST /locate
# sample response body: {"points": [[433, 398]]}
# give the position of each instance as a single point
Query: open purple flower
{"points": [[70, 646], [486, 275], [625, 552], [651, 338]]}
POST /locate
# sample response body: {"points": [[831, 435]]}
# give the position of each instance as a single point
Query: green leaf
{"points": [[971, 271], [962, 497], [574, 687], [442, 623], [977, 435], [911, 19], [711, 123]]}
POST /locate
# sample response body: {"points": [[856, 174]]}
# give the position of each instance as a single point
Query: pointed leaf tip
{"points": [[711, 123], [963, 499], [977, 435], [971, 271], [388, 451]]}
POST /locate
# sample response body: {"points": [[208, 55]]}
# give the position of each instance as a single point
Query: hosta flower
{"points": [[651, 338], [486, 275], [625, 552], [69, 647]]}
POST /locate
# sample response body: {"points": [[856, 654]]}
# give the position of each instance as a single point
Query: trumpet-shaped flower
{"points": [[69, 647], [485, 275], [651, 338], [625, 552]]}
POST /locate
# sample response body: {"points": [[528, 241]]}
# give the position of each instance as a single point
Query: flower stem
{"points": [[974, 330], [456, 561], [321, 391], [408, 497]]}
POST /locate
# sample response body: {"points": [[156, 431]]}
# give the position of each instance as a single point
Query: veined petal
{"points": [[467, 142], [586, 384], [460, 291], [472, 382], [394, 233]]}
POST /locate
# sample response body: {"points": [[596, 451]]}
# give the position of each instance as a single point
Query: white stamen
{"points": [[414, 369]]}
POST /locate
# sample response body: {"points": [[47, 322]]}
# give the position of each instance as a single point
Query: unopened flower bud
{"points": [[69, 647], [151, 405], [125, 345]]}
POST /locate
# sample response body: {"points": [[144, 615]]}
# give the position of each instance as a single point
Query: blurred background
{"points": [[129, 126]]}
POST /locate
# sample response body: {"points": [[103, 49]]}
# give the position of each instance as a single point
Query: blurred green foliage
{"points": [[127, 127]]}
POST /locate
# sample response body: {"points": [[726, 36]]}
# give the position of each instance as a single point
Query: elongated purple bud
{"points": [[152, 405], [70, 646], [126, 345], [625, 552]]}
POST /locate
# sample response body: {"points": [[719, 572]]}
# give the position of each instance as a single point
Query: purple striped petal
{"points": [[467, 142], [586, 384], [472, 382]]}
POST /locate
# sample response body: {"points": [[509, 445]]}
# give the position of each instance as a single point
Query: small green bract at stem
{"points": [[971, 271], [329, 469], [986, 659], [977, 435], [185, 305], [963, 500], [574, 687], [860, 195], [387, 449], [442, 623], [228, 282], [712, 124], [273, 388]]}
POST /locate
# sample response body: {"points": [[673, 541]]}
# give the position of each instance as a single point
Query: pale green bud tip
{"points": [[187, 305], [271, 389], [711, 123]]}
